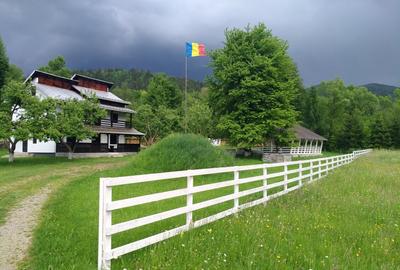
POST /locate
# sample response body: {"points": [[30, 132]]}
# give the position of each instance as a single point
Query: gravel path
{"points": [[16, 233]]}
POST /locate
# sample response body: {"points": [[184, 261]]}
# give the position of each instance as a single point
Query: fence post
{"points": [[285, 177], [105, 222], [189, 201], [319, 168], [265, 184], [311, 170], [300, 174], [236, 189]]}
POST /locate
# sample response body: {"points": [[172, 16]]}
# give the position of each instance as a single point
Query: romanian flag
{"points": [[195, 49]]}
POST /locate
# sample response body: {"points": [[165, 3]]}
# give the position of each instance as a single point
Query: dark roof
{"points": [[77, 76], [306, 134], [114, 130], [116, 109], [35, 74]]}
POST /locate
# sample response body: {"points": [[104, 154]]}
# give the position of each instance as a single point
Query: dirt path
{"points": [[16, 232]]}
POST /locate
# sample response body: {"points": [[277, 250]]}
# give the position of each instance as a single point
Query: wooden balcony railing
{"points": [[119, 124]]}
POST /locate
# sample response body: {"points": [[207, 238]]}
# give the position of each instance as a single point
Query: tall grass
{"points": [[349, 220]]}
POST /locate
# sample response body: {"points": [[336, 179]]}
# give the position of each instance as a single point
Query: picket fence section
{"points": [[306, 172]]}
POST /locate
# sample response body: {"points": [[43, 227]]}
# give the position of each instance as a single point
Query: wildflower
{"points": [[183, 245]]}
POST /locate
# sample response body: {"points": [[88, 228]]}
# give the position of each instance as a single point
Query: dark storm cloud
{"points": [[357, 40]]}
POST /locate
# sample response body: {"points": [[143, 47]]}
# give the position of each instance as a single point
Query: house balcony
{"points": [[117, 124]]}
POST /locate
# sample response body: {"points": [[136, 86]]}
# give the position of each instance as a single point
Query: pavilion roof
{"points": [[304, 133]]}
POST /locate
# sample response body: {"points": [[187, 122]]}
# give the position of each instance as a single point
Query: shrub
{"points": [[181, 152]]}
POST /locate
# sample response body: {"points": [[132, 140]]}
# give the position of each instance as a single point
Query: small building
{"points": [[307, 143], [114, 133]]}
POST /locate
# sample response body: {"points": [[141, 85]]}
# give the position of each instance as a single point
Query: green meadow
{"points": [[347, 220]]}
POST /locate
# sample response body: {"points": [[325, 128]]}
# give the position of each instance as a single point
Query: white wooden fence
{"points": [[305, 171]]}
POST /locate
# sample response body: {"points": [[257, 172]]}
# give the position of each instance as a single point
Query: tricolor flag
{"points": [[195, 49]]}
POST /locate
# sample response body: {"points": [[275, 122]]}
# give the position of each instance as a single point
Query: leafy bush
{"points": [[181, 152]]}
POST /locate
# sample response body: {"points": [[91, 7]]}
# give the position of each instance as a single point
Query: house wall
{"points": [[54, 82], [121, 139], [38, 147], [92, 84], [103, 138]]}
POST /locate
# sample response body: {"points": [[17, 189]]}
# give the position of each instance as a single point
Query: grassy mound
{"points": [[181, 152]]}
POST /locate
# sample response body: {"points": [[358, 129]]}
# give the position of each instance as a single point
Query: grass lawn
{"points": [[28, 174], [3, 151], [348, 220]]}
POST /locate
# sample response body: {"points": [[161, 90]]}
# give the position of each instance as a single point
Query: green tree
{"points": [[353, 135], [162, 91], [159, 111], [14, 73], [58, 67], [199, 117], [312, 115], [71, 121], [380, 133], [253, 87], [3, 66], [157, 122], [21, 114]]}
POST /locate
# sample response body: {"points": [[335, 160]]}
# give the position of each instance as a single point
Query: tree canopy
{"points": [[4, 65], [253, 87], [71, 121], [20, 115], [58, 67], [351, 117]]}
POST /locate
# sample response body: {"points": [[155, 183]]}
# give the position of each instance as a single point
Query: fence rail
{"points": [[305, 171]]}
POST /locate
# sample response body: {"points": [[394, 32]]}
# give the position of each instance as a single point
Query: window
{"points": [[113, 139], [34, 140], [114, 117]]}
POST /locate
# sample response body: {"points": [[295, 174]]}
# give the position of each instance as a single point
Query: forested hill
{"points": [[133, 78], [380, 89]]}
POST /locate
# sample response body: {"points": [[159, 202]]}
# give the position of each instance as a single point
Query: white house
{"points": [[115, 132]]}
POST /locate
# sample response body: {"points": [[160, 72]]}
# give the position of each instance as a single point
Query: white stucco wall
{"points": [[38, 147], [18, 147], [103, 138], [121, 139]]}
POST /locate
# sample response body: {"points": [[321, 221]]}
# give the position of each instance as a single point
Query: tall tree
{"points": [[3, 65], [71, 121], [199, 116], [58, 67], [253, 87], [20, 115], [162, 91], [380, 133], [353, 135], [312, 114], [159, 109], [14, 73]]}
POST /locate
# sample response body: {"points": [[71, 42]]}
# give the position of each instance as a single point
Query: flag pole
{"points": [[186, 64]]}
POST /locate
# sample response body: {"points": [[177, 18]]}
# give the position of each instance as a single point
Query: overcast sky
{"points": [[357, 40]]}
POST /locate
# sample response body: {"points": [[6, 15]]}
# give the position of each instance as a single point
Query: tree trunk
{"points": [[11, 150], [11, 157], [70, 150]]}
